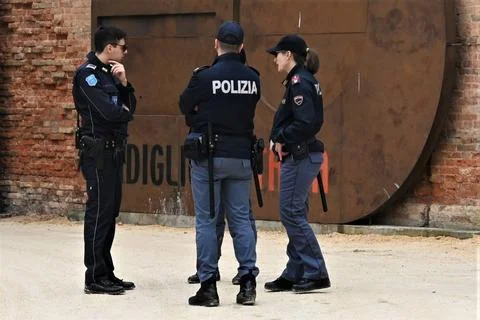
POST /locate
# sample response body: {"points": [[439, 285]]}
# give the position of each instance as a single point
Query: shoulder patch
{"points": [[298, 100], [91, 66], [197, 70], [254, 70], [91, 80], [296, 79]]}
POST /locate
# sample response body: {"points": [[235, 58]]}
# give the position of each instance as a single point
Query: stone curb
{"points": [[188, 222]]}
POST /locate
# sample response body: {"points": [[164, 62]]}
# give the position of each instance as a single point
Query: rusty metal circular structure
{"points": [[386, 72]]}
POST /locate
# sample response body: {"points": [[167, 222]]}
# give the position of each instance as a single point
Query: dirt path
{"points": [[373, 277]]}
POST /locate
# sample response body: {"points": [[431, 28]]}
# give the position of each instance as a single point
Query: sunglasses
{"points": [[123, 46]]}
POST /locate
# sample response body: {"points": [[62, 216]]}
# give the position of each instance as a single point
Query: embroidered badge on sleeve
{"points": [[91, 80], [298, 100]]}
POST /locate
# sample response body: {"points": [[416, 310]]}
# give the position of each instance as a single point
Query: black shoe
{"points": [[306, 285], [280, 284], [248, 292], [207, 295], [236, 280], [195, 279], [126, 285], [103, 286]]}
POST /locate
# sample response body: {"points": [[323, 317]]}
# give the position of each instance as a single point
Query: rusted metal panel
{"points": [[381, 79], [156, 174], [386, 76]]}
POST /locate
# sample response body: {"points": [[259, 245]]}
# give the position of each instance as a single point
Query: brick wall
{"points": [[449, 194], [41, 43]]}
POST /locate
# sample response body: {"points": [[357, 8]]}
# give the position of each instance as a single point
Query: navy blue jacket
{"points": [[300, 114], [226, 94], [100, 99]]}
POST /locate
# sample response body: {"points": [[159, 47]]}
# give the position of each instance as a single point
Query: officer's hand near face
{"points": [[118, 70]]}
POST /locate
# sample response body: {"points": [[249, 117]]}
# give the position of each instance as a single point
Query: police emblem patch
{"points": [[295, 79], [298, 100], [91, 80]]}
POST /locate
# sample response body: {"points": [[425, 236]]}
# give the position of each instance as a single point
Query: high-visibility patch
{"points": [[91, 80], [298, 100]]}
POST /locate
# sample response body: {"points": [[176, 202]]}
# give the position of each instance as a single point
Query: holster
{"points": [[93, 148], [195, 148], [119, 150], [299, 151]]}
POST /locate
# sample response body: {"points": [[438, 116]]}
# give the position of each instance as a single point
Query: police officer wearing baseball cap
{"points": [[193, 279], [223, 97], [296, 122]]}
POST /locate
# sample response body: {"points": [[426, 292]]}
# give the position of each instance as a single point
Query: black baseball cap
{"points": [[291, 42], [230, 32]]}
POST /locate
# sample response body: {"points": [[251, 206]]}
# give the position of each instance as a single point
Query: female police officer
{"points": [[297, 120]]}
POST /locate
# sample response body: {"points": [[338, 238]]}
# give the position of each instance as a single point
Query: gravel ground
{"points": [[373, 277]]}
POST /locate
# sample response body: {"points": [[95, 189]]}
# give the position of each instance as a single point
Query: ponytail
{"points": [[311, 62]]}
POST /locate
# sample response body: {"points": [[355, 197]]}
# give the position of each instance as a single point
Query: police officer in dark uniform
{"points": [[106, 102], [296, 122], [221, 221], [219, 105]]}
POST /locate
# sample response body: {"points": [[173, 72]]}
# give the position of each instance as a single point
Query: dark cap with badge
{"points": [[291, 42], [230, 32]]}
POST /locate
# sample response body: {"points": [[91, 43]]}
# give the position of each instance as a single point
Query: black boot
{"points": [[248, 292], [127, 285], [207, 295], [195, 279], [307, 285], [103, 286], [236, 279], [279, 284]]}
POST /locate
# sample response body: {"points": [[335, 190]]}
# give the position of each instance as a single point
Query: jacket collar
{"points": [[227, 56], [93, 59], [291, 74]]}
